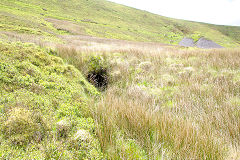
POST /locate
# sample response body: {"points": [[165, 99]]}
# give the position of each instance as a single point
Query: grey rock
{"points": [[207, 44], [201, 43], [82, 135], [187, 42]]}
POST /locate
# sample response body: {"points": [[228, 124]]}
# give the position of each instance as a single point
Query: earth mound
{"points": [[201, 43], [205, 43], [187, 42]]}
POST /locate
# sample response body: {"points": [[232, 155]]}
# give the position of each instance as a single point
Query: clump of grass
{"points": [[21, 127], [94, 67]]}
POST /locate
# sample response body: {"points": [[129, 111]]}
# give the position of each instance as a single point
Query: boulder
{"points": [[207, 44], [82, 135]]}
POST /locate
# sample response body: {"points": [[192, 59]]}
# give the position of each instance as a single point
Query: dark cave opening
{"points": [[98, 78]]}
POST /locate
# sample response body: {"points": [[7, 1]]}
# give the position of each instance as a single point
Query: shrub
{"points": [[98, 72]]}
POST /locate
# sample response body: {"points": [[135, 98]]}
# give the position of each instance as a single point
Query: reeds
{"points": [[183, 105]]}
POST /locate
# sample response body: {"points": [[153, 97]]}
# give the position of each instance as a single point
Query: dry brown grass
{"points": [[155, 131], [176, 103], [202, 86]]}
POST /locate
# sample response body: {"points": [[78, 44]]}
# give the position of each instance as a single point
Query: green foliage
{"points": [[98, 69], [38, 91], [131, 149], [21, 126], [97, 64], [196, 36]]}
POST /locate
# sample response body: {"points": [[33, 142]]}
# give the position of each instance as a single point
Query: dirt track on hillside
{"points": [[80, 42], [86, 43], [77, 40]]}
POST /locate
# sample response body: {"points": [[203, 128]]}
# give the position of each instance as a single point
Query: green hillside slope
{"points": [[106, 19], [44, 111]]}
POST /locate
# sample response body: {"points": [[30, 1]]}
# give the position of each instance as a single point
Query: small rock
{"points": [[82, 135]]}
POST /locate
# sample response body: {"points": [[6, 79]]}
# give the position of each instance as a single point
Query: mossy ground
{"points": [[37, 91]]}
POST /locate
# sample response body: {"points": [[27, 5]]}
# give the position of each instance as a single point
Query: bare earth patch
{"points": [[66, 26]]}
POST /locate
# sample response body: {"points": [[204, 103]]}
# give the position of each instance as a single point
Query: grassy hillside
{"points": [[105, 19], [170, 104], [98, 98], [44, 107]]}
